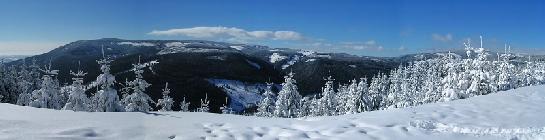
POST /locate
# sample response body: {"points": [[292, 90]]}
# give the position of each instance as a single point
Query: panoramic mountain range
{"points": [[195, 69]]}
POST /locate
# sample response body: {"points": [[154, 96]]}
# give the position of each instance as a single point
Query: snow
{"points": [[508, 115], [171, 50], [137, 44], [241, 94], [275, 57], [310, 60], [307, 52], [181, 47], [176, 44], [292, 61], [237, 47]]}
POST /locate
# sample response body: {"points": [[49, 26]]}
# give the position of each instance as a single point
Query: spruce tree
{"points": [[266, 106], [106, 98], [77, 101], [166, 102], [288, 101], [139, 101]]}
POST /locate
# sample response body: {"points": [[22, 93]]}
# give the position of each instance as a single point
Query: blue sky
{"points": [[375, 28]]}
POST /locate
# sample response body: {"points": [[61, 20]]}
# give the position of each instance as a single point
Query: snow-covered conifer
{"points": [[288, 101], [25, 86], [48, 95], [204, 105], [184, 106], [354, 98], [77, 100], [327, 103], [166, 102], [106, 99], [139, 101], [225, 109], [364, 98], [266, 106]]}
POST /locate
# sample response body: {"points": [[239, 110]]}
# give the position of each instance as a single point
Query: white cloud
{"points": [[401, 48], [442, 38], [27, 47], [230, 33], [371, 42], [287, 35]]}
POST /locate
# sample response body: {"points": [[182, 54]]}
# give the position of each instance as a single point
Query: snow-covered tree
{"points": [[506, 75], [48, 95], [394, 90], [139, 101], [106, 99], [288, 101], [364, 97], [327, 103], [354, 100], [340, 100], [266, 106], [225, 109], [314, 108], [305, 110], [166, 102], [184, 106], [25, 86], [204, 105], [77, 101]]}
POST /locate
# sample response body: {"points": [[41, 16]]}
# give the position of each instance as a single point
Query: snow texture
{"points": [[508, 115], [292, 61], [237, 47], [275, 57], [137, 44]]}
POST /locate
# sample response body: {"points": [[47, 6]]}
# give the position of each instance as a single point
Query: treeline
{"points": [[445, 78]]}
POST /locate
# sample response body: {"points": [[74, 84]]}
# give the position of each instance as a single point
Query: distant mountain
{"points": [[194, 68], [10, 58]]}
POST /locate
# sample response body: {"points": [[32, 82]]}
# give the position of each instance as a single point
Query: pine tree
{"points": [[77, 101], [204, 105], [139, 101], [166, 102], [506, 77], [225, 109], [340, 100], [354, 98], [327, 103], [184, 106], [364, 97], [315, 109], [25, 85], [288, 101], [3, 85], [48, 95], [394, 91], [266, 106], [305, 110], [106, 99]]}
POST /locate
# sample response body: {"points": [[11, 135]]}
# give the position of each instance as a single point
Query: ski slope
{"points": [[517, 114]]}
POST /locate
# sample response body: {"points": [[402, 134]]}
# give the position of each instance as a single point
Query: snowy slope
{"points": [[242, 95], [513, 115]]}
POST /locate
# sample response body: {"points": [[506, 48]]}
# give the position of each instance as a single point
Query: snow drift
{"points": [[514, 114]]}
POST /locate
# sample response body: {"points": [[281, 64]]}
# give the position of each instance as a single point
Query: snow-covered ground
{"points": [[513, 115]]}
